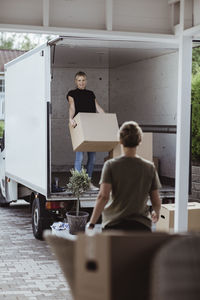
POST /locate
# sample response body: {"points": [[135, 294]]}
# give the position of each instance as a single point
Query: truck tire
{"points": [[3, 202], [40, 217]]}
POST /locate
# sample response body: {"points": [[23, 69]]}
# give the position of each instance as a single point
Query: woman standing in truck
{"points": [[82, 100]]}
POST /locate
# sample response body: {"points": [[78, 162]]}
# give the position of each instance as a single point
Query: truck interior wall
{"points": [[164, 146], [63, 81], [146, 91]]}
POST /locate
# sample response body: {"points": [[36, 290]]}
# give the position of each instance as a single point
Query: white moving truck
{"points": [[137, 79]]}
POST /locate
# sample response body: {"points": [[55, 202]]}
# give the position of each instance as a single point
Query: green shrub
{"points": [[195, 60], [196, 117], [1, 128]]}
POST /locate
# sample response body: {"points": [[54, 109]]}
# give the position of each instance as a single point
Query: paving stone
{"points": [[29, 270]]}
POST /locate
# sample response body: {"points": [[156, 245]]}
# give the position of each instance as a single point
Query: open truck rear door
{"points": [[26, 115]]}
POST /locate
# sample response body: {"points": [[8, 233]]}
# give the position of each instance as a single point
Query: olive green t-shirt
{"points": [[132, 179]]}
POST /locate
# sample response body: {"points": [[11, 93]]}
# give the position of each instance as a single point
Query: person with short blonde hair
{"points": [[82, 100], [126, 182]]}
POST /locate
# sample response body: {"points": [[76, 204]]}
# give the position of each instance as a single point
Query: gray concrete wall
{"points": [[63, 81], [146, 91]]}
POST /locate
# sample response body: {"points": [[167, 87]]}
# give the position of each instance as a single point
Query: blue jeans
{"points": [[90, 162]]}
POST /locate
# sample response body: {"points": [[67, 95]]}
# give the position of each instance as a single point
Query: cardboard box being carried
{"points": [[115, 265], [145, 149], [166, 220], [96, 132]]}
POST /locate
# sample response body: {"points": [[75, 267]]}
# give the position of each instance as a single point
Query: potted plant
{"points": [[78, 183]]}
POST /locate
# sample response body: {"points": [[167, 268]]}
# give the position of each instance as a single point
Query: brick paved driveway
{"points": [[28, 269]]}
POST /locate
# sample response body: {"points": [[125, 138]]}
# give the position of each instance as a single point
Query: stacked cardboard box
{"points": [[145, 149], [166, 220], [99, 133]]}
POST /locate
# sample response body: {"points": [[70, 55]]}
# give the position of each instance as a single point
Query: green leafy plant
{"points": [[1, 128], [196, 117], [78, 183]]}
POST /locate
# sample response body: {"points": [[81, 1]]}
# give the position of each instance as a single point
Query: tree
{"points": [[22, 41], [6, 43], [27, 44], [78, 183], [195, 60], [195, 100], [196, 117]]}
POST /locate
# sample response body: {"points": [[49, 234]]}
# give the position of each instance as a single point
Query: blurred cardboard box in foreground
{"points": [[96, 132], [115, 265]]}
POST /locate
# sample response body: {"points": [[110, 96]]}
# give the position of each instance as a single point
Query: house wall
{"points": [[146, 91], [151, 16], [142, 16], [2, 95], [63, 81], [195, 184], [21, 12]]}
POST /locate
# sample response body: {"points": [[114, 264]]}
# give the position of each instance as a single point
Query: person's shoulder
{"points": [[71, 92], [115, 160], [89, 92], [145, 162]]}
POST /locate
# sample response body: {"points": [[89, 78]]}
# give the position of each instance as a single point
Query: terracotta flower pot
{"points": [[77, 223]]}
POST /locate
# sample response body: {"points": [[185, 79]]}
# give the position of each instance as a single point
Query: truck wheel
{"points": [[3, 202], [40, 217]]}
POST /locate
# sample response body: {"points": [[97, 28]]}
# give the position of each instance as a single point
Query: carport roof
{"points": [[8, 55]]}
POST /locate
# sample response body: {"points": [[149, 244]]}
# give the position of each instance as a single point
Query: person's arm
{"points": [[102, 199], [99, 109], [156, 205], [71, 111]]}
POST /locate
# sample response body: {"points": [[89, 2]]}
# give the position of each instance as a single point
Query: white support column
{"points": [[196, 12], [183, 134], [172, 17], [182, 14], [109, 14], [46, 13]]}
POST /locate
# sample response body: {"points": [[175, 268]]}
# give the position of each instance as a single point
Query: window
{"points": [[2, 97], [2, 85]]}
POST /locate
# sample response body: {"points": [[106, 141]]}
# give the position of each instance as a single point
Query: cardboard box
{"points": [[115, 265], [96, 132], [166, 220], [145, 149], [64, 249]]}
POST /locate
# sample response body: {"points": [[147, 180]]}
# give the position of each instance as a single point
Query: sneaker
{"points": [[93, 187]]}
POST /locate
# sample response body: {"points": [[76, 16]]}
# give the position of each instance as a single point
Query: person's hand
{"points": [[73, 123], [89, 226], [154, 216], [88, 229]]}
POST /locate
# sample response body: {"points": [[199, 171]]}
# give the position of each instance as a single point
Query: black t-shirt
{"points": [[84, 100]]}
